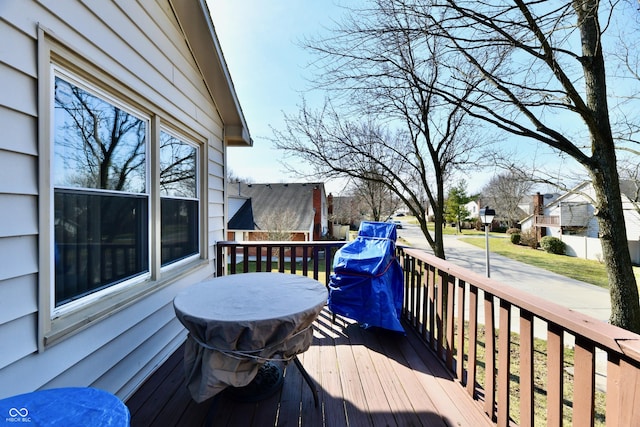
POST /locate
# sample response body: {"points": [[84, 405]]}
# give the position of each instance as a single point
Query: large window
{"points": [[100, 192], [179, 199]]}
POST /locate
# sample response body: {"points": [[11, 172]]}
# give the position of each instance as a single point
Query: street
{"points": [[573, 294]]}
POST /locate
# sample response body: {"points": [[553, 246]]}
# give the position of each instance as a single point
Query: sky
{"points": [[259, 42]]}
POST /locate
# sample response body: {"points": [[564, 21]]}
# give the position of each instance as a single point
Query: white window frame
{"points": [[57, 71], [188, 141], [55, 325]]}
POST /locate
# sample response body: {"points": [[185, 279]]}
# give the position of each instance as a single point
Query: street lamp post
{"points": [[486, 216]]}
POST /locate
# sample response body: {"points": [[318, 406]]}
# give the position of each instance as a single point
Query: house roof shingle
{"points": [[289, 204]]}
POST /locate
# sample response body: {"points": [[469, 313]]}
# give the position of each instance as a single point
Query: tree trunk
{"points": [[625, 306]]}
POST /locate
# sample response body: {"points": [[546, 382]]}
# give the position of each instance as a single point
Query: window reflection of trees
{"points": [[97, 144], [179, 204], [101, 237], [177, 167]]}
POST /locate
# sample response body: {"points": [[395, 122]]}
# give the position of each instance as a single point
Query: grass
{"points": [[540, 380], [585, 270], [453, 231], [287, 268]]}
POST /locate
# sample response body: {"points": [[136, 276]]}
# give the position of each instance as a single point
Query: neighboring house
{"points": [[473, 207], [116, 116], [284, 211], [571, 218], [527, 203]]}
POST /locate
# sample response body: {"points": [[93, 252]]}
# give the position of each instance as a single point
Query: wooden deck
{"points": [[363, 377]]}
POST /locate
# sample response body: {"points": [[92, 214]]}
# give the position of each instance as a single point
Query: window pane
{"points": [[100, 240], [179, 193], [179, 229], [177, 168], [97, 144]]}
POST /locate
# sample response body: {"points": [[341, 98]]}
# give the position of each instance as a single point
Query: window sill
{"points": [[75, 321]]}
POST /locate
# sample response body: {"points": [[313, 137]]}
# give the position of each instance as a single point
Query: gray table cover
{"points": [[237, 322]]}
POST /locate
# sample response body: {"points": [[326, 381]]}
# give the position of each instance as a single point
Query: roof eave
{"points": [[196, 24]]}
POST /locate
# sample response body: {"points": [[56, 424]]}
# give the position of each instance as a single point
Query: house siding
{"points": [[140, 46], [575, 209]]}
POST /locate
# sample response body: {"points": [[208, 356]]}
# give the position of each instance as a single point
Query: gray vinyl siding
{"points": [[139, 45]]}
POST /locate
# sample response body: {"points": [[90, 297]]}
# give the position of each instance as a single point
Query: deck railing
{"points": [[311, 259], [547, 220], [461, 314]]}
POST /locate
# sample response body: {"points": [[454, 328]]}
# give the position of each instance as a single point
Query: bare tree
{"points": [[544, 78], [373, 194], [100, 145], [382, 71], [504, 192], [277, 226]]}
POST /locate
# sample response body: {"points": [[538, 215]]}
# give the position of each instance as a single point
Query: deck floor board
{"points": [[363, 377]]}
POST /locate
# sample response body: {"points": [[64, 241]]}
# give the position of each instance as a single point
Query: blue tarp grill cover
{"points": [[366, 285]]}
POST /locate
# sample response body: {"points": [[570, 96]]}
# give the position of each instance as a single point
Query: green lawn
{"points": [[322, 275], [576, 268], [453, 231], [540, 379]]}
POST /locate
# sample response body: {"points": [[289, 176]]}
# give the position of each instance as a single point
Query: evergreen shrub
{"points": [[553, 245]]}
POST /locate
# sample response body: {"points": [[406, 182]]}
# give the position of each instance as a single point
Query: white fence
{"points": [[591, 248]]}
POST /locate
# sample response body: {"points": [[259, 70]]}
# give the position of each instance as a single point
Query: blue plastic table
{"points": [[68, 407]]}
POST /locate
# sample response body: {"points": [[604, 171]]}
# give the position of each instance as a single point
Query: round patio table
{"points": [[239, 322]]}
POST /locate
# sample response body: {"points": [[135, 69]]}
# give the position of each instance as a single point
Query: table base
{"points": [[267, 381]]}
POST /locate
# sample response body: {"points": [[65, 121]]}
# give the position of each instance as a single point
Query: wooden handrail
{"points": [[501, 302]]}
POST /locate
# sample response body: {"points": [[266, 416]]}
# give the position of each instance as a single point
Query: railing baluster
{"points": [[414, 292], [630, 400], [316, 261], [328, 258], [233, 260], [555, 358], [614, 410], [219, 260], [420, 315], [526, 369], [450, 332], [281, 258], [245, 260], [584, 382], [269, 258], [432, 306], [293, 250], [460, 330], [440, 307], [472, 360], [258, 258], [426, 313], [504, 362], [406, 268], [490, 356], [305, 261]]}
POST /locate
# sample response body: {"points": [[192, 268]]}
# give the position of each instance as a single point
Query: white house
{"points": [[116, 116], [570, 217]]}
